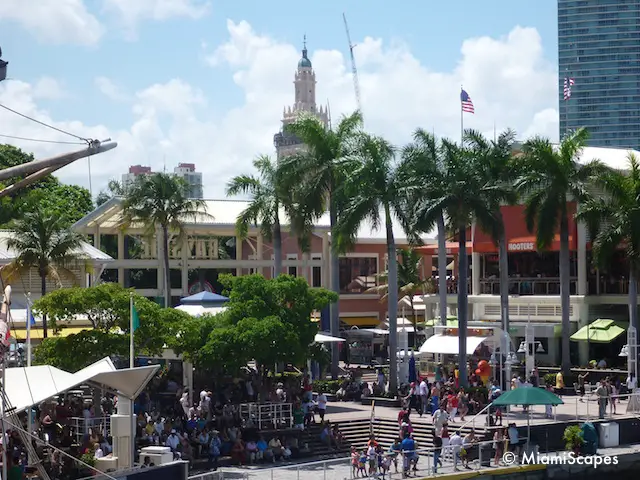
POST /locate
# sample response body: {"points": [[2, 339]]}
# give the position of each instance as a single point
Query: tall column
{"points": [[184, 271], [238, 255], [326, 261], [121, 256], [582, 289], [159, 256], [260, 252]]}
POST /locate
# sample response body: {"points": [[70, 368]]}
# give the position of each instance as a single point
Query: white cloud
{"points": [[58, 21], [49, 88], [110, 89], [508, 78], [132, 12]]}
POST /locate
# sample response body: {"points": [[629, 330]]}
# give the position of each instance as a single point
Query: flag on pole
{"points": [[568, 83], [32, 320], [135, 318], [467, 104]]}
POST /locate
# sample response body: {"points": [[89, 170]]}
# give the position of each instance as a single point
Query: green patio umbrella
{"points": [[599, 331], [528, 396]]}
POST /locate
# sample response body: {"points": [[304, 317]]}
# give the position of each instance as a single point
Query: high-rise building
{"points": [[134, 171], [305, 101], [599, 70], [186, 171], [193, 179]]}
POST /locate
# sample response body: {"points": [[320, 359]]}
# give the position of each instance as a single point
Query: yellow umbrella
{"points": [[599, 331]]}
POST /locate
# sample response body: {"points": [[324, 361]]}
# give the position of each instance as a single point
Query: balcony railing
{"points": [[528, 286]]}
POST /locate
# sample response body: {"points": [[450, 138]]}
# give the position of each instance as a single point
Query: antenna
{"points": [[354, 70], [329, 113]]}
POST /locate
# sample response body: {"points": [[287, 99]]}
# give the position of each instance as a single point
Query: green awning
{"points": [[528, 396], [601, 330]]}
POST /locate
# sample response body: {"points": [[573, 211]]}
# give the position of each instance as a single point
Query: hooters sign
{"points": [[521, 246]]}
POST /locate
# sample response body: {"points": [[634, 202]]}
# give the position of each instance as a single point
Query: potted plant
{"points": [[87, 458], [573, 438]]}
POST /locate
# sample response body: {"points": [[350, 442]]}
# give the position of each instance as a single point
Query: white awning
{"points": [[200, 310], [448, 345], [27, 386], [321, 338]]}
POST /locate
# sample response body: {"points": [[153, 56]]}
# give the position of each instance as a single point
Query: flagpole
{"points": [[131, 362], [461, 117], [29, 336]]}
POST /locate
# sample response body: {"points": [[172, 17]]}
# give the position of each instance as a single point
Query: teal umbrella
{"points": [[528, 396]]}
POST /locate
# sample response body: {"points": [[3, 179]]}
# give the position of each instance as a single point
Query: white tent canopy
{"points": [[448, 345], [27, 386], [322, 338], [199, 310]]}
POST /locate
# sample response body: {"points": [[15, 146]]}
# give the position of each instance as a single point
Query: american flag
{"points": [[467, 104], [568, 83]]}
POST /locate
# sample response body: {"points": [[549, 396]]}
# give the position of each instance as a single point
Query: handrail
{"points": [[473, 420]]}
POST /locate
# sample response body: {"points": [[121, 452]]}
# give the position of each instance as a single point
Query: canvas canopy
{"points": [[27, 386], [448, 344]]}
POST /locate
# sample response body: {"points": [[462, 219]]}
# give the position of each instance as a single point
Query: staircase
{"points": [[356, 434]]}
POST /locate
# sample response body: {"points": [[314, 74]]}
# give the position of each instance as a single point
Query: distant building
{"points": [[187, 171], [598, 59], [134, 171], [305, 101]]}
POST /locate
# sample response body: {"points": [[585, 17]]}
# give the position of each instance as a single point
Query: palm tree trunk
{"points": [[392, 300], [335, 286], [167, 271], [277, 248], [462, 303], [442, 269], [43, 292], [564, 293], [633, 310], [503, 261]]}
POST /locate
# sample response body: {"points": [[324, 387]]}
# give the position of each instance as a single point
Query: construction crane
{"points": [[354, 70]]}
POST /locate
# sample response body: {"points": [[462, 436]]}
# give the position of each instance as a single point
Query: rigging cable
{"points": [[44, 124], [40, 140]]}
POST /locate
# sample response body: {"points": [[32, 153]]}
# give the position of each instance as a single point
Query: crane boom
{"points": [[354, 70]]}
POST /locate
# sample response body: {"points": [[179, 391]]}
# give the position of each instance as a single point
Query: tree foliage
{"points": [[266, 320], [107, 308]]}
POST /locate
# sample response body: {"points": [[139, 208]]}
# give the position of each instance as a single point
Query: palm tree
{"points": [[159, 201], [264, 207], [551, 178], [410, 279], [495, 159], [465, 200], [372, 195], [614, 222], [423, 176], [40, 241], [313, 176]]}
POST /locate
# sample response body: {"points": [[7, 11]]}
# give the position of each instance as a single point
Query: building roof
{"points": [[617, 158], [223, 213], [86, 251]]}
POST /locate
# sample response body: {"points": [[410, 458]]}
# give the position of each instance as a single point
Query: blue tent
{"points": [[205, 298]]}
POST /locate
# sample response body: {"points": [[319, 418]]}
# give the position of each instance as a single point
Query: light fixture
{"points": [[540, 348], [625, 351], [523, 348]]}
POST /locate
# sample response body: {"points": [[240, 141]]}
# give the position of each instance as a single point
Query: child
{"points": [[372, 454], [385, 464], [355, 460], [362, 464]]}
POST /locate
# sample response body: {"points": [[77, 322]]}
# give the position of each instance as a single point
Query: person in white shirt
{"points": [[322, 405], [98, 451], [173, 441], [439, 419], [455, 443], [423, 390], [632, 383], [185, 403]]}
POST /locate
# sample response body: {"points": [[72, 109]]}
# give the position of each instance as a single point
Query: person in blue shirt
{"points": [[409, 454], [215, 445], [394, 451]]}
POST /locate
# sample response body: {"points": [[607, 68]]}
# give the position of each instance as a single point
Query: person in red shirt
{"points": [[452, 404]]}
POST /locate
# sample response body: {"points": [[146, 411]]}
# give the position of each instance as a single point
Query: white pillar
{"points": [[238, 254], [326, 261], [122, 432], [184, 271], [121, 256], [475, 283], [187, 378], [582, 289]]}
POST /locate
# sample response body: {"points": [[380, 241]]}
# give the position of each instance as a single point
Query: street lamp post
{"points": [[3, 67]]}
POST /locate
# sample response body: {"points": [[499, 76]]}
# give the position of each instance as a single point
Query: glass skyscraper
{"points": [[599, 48]]}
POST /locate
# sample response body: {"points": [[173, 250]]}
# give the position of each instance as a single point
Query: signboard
{"points": [[521, 247]]}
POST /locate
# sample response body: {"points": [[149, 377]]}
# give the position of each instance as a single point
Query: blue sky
{"points": [[141, 48]]}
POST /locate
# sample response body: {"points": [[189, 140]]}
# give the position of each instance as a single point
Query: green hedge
{"points": [[326, 386]]}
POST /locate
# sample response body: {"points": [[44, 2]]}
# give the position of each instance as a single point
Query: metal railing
{"points": [[267, 416], [527, 286], [474, 456], [80, 426]]}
